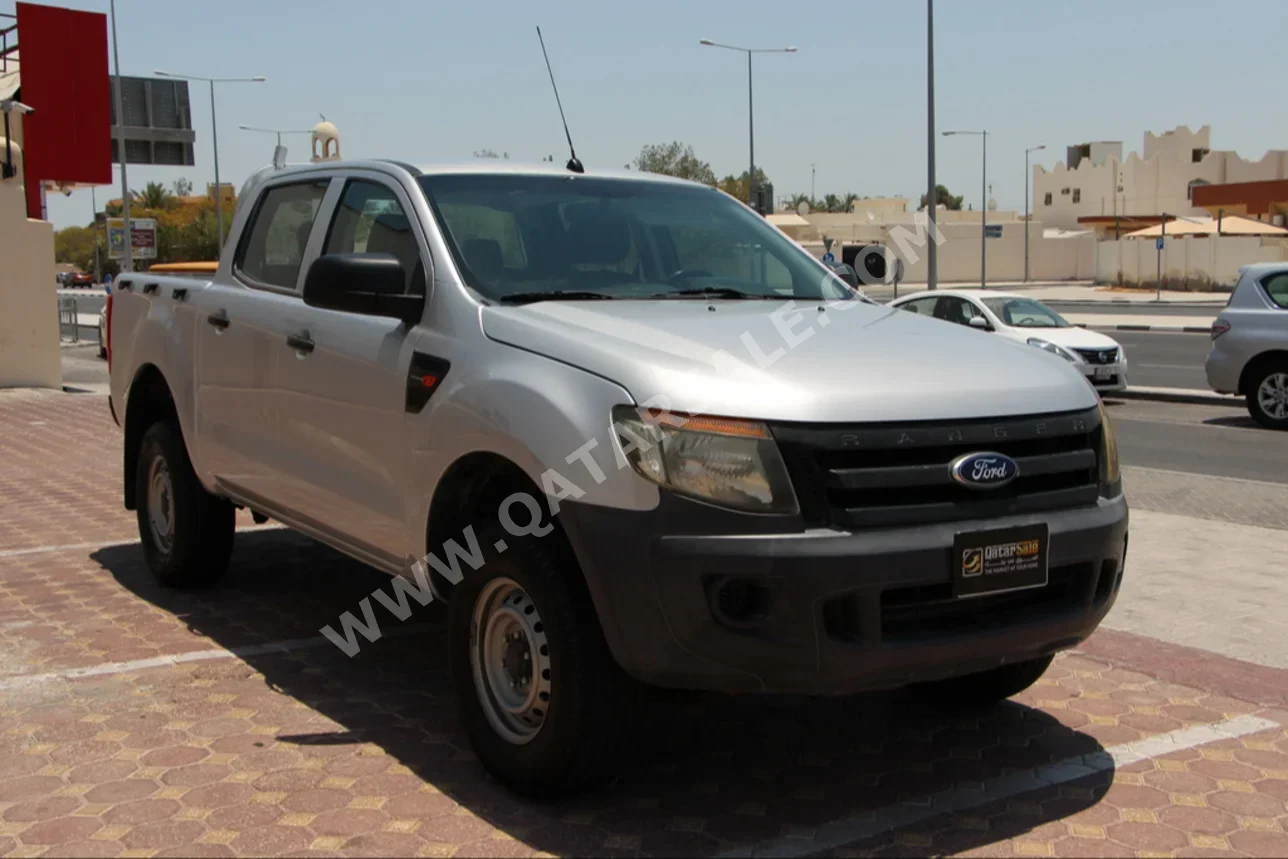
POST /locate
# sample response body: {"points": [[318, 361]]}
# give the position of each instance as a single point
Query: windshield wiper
{"points": [[556, 295], [714, 292]]}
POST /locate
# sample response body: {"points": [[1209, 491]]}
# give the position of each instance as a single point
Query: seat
{"points": [[391, 234]]}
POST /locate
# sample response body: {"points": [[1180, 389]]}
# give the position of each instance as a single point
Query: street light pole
{"points": [[751, 123], [932, 195], [127, 254], [983, 218], [811, 184], [1026, 207], [214, 135]]}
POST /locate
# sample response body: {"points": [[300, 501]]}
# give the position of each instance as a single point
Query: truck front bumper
{"points": [[698, 598]]}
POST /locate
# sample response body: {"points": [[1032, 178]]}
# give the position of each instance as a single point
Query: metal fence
{"points": [[69, 324]]}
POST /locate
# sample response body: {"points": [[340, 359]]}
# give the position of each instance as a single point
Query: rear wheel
{"points": [[1267, 395], [538, 692], [985, 688], [187, 533]]}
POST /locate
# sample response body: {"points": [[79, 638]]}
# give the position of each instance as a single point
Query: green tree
{"points": [[736, 186], [154, 196], [75, 245], [832, 203], [182, 187], [674, 159], [848, 201], [944, 197], [796, 200]]}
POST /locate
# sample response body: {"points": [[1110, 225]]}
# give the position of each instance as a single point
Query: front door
{"points": [[343, 376]]}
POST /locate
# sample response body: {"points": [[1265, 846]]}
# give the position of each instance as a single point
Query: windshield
{"points": [[1025, 313], [522, 238]]}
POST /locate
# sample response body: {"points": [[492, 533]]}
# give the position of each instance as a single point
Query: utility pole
{"points": [[811, 183], [1027, 171], [932, 261], [127, 256]]}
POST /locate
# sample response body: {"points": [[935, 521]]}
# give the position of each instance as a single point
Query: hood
{"points": [[794, 361], [1071, 338]]}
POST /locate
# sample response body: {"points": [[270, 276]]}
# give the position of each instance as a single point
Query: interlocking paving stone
{"points": [[308, 752]]}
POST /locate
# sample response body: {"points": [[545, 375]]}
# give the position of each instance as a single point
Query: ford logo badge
{"points": [[984, 470]]}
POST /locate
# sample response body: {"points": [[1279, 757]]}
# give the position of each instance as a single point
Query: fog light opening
{"points": [[738, 602]]}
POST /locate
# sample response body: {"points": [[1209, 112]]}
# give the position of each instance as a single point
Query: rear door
{"points": [[238, 339], [345, 429]]}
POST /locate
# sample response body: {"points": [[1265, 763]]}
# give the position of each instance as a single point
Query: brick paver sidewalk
{"points": [[140, 721]]}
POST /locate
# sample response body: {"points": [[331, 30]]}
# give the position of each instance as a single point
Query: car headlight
{"points": [[726, 461], [1048, 346], [1110, 475]]}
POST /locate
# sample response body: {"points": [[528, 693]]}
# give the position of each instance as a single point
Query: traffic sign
{"points": [[829, 258], [993, 231], [1158, 243]]}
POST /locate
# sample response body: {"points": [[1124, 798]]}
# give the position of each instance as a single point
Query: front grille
{"points": [[880, 475], [1098, 356]]}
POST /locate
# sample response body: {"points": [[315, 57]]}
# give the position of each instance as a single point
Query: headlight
{"points": [[1110, 476], [1048, 346], [727, 461]]}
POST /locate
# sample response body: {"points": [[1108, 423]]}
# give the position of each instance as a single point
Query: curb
{"points": [[1127, 302], [1191, 396], [1168, 329]]}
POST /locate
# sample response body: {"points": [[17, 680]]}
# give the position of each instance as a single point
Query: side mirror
{"points": [[980, 323], [846, 273], [369, 284]]}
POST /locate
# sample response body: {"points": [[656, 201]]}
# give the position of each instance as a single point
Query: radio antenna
{"points": [[573, 164]]}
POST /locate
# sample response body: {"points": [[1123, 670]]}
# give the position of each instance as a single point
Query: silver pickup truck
{"points": [[629, 433]]}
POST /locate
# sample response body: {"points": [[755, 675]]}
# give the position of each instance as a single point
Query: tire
{"points": [[576, 739], [985, 688], [1267, 395], [188, 546]]}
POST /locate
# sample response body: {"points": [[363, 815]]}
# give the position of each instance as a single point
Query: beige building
{"points": [[1095, 182]]}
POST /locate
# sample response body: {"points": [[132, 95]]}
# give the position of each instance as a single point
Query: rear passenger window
{"points": [[924, 306], [273, 245], [370, 220], [1276, 286]]}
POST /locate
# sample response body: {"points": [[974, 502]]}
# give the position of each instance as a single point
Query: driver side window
{"points": [[953, 309]]}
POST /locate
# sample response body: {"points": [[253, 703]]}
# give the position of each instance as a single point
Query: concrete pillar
{"points": [[29, 352]]}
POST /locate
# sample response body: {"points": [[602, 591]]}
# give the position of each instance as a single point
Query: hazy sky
{"points": [[431, 81]]}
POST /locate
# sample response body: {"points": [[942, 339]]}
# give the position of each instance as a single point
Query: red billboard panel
{"points": [[67, 137]]}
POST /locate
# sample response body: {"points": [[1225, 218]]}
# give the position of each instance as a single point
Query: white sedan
{"points": [[1026, 320]]}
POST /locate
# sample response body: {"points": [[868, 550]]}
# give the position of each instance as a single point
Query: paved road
{"points": [[1141, 309], [1205, 440], [1164, 360]]}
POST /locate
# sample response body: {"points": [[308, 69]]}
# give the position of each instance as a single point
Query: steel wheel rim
{"points": [[510, 659], [1272, 395], [161, 505]]}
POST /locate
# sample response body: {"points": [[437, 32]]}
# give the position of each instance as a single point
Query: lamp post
{"points": [[811, 183], [751, 124], [932, 196], [127, 254], [1026, 207], [214, 134], [983, 209]]}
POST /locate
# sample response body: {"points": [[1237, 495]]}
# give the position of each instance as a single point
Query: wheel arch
{"points": [[150, 400], [1249, 375]]}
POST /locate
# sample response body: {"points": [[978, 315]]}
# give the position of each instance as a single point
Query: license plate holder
{"points": [[1000, 560], [1104, 372]]}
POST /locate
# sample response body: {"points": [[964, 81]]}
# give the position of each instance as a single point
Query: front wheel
{"points": [[537, 690], [187, 533], [1268, 396], [986, 687]]}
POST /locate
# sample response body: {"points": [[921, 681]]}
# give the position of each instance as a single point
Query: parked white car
{"points": [[1027, 320]]}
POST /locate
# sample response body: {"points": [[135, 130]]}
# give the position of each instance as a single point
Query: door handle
{"points": [[219, 320], [300, 343]]}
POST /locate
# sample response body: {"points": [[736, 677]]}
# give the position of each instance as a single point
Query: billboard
{"points": [[157, 126], [143, 233], [66, 138]]}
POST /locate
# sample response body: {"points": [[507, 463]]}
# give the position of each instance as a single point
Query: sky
{"points": [[433, 81]]}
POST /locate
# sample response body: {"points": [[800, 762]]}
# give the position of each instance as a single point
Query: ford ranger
{"points": [[668, 445]]}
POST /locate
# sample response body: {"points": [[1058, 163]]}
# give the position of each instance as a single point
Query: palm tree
{"points": [[848, 202], [154, 196], [832, 203], [796, 200]]}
